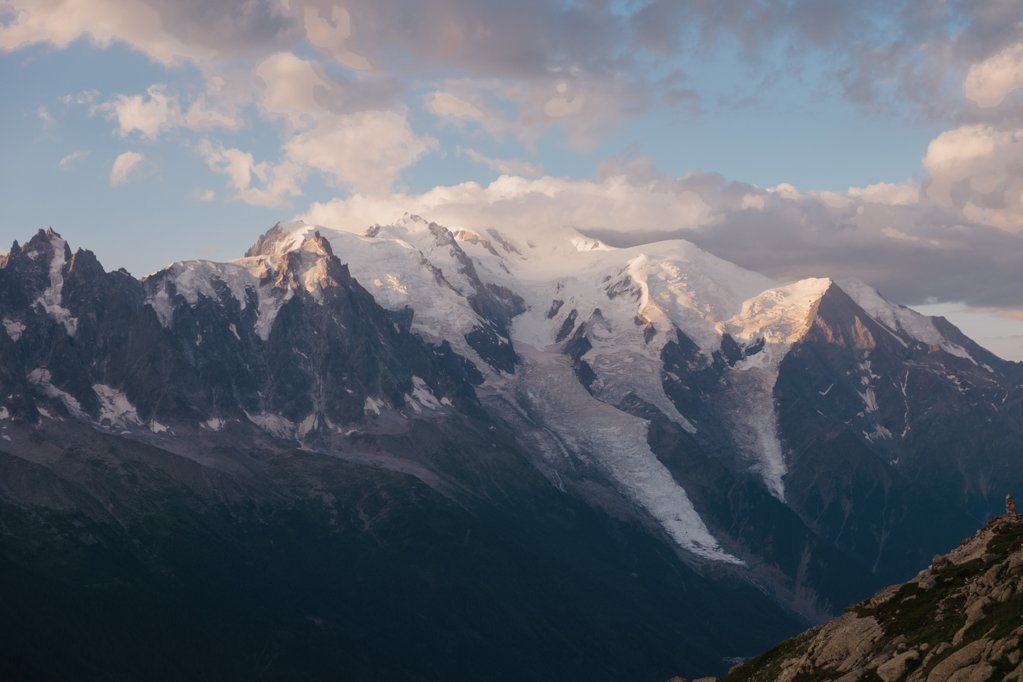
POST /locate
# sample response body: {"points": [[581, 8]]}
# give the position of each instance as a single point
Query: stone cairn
{"points": [[1010, 508]]}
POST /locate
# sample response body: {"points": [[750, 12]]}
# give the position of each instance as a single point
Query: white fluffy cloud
{"points": [[259, 184], [166, 31], [977, 170], [888, 193], [336, 127], [127, 166], [521, 205], [990, 81], [913, 251], [363, 151], [103, 21], [156, 112], [291, 86]]}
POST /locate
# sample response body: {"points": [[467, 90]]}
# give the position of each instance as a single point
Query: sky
{"points": [[868, 139]]}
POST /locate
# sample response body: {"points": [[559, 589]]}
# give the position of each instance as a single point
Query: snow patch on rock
{"points": [[421, 397], [899, 319], [373, 406], [14, 328], [214, 424], [43, 380], [50, 300], [115, 408], [273, 424]]}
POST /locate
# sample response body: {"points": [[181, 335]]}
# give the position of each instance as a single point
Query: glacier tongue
{"points": [[614, 443], [778, 317]]}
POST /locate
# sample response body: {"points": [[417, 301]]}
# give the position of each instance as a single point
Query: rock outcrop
{"points": [[959, 620]]}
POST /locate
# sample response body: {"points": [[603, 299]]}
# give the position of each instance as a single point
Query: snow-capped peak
{"points": [[281, 238], [587, 244], [898, 319], [779, 316], [289, 260]]}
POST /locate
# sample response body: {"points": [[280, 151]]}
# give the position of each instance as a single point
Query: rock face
{"points": [[959, 619], [895, 443]]}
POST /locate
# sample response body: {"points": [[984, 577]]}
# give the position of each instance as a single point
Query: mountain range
{"points": [[441, 453]]}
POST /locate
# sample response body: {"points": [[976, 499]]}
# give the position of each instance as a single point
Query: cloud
{"points": [[631, 165], [521, 205], [44, 115], [885, 193], [350, 131], [71, 159], [990, 81], [479, 37], [462, 109], [301, 91], [83, 98], [582, 106], [127, 167], [890, 194], [156, 112], [891, 57], [291, 86], [330, 30], [977, 170], [204, 195], [167, 31], [505, 166], [912, 251], [364, 151], [562, 65], [879, 54], [1000, 330], [258, 184]]}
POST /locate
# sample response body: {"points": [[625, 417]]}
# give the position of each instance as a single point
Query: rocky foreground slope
{"points": [[959, 620]]}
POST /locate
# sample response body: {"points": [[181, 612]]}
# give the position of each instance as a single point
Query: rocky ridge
{"points": [[958, 620]]}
